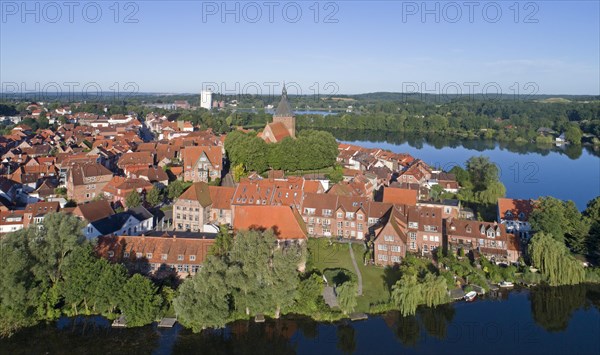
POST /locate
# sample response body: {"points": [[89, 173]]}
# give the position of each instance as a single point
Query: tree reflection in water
{"points": [[553, 307]]}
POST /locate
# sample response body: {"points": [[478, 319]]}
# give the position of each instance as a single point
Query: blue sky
{"points": [[547, 47]]}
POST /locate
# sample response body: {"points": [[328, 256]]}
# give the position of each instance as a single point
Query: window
{"points": [[425, 248], [388, 238], [396, 248], [180, 257], [360, 217], [111, 253], [413, 245], [163, 257], [491, 233], [148, 255], [413, 225], [192, 257], [412, 235], [138, 255], [430, 228], [395, 259], [425, 238], [126, 254], [340, 215]]}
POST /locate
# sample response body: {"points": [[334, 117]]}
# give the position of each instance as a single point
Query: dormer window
{"points": [[482, 230], [468, 229]]}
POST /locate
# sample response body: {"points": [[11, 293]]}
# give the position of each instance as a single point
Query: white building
{"points": [[206, 99]]}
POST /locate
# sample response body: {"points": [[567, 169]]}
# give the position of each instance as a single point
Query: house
{"points": [[221, 197], [389, 245], [93, 211], [153, 175], [117, 189], [159, 254], [192, 209], [134, 160], [86, 180], [417, 172], [202, 163], [487, 238], [285, 221], [35, 212], [329, 215], [131, 222], [514, 214], [424, 229], [11, 221]]}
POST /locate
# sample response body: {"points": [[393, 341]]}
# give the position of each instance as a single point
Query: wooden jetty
{"points": [[167, 322], [358, 316], [120, 322]]}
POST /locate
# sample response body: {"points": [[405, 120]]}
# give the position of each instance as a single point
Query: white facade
{"points": [[206, 99]]}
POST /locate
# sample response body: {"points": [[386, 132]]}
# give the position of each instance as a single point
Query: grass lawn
{"points": [[374, 286], [323, 256]]}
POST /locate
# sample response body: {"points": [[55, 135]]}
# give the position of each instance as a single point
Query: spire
{"points": [[283, 109]]}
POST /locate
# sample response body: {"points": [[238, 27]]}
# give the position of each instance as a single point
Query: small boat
{"points": [[506, 284], [470, 296]]}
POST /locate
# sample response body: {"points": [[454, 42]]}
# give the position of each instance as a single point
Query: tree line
{"points": [[52, 270], [311, 150]]}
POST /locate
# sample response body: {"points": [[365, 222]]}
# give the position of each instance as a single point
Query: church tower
{"points": [[284, 114]]}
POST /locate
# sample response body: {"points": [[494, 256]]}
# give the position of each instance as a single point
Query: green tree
{"points": [[133, 199], [176, 188], [139, 301], [309, 292], [573, 134], [406, 294], [482, 172], [346, 296], [203, 301], [223, 242], [239, 172], [554, 260], [154, 196], [19, 292]]}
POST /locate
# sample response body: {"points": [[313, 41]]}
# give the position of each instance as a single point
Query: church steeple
{"points": [[283, 109]]}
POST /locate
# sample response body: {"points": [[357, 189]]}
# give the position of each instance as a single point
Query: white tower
{"points": [[206, 99]]}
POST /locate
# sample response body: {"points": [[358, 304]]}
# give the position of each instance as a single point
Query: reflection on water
{"points": [[419, 140], [538, 321]]}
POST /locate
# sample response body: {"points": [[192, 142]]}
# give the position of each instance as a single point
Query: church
{"points": [[284, 122]]}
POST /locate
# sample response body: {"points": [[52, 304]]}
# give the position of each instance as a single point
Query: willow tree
{"points": [[554, 260], [407, 295], [346, 296], [435, 290]]}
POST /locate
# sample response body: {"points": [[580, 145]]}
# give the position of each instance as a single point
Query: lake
{"points": [[543, 320], [527, 170]]}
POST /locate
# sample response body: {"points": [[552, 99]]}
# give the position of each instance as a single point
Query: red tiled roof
{"points": [[515, 207], [399, 196], [285, 221]]}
